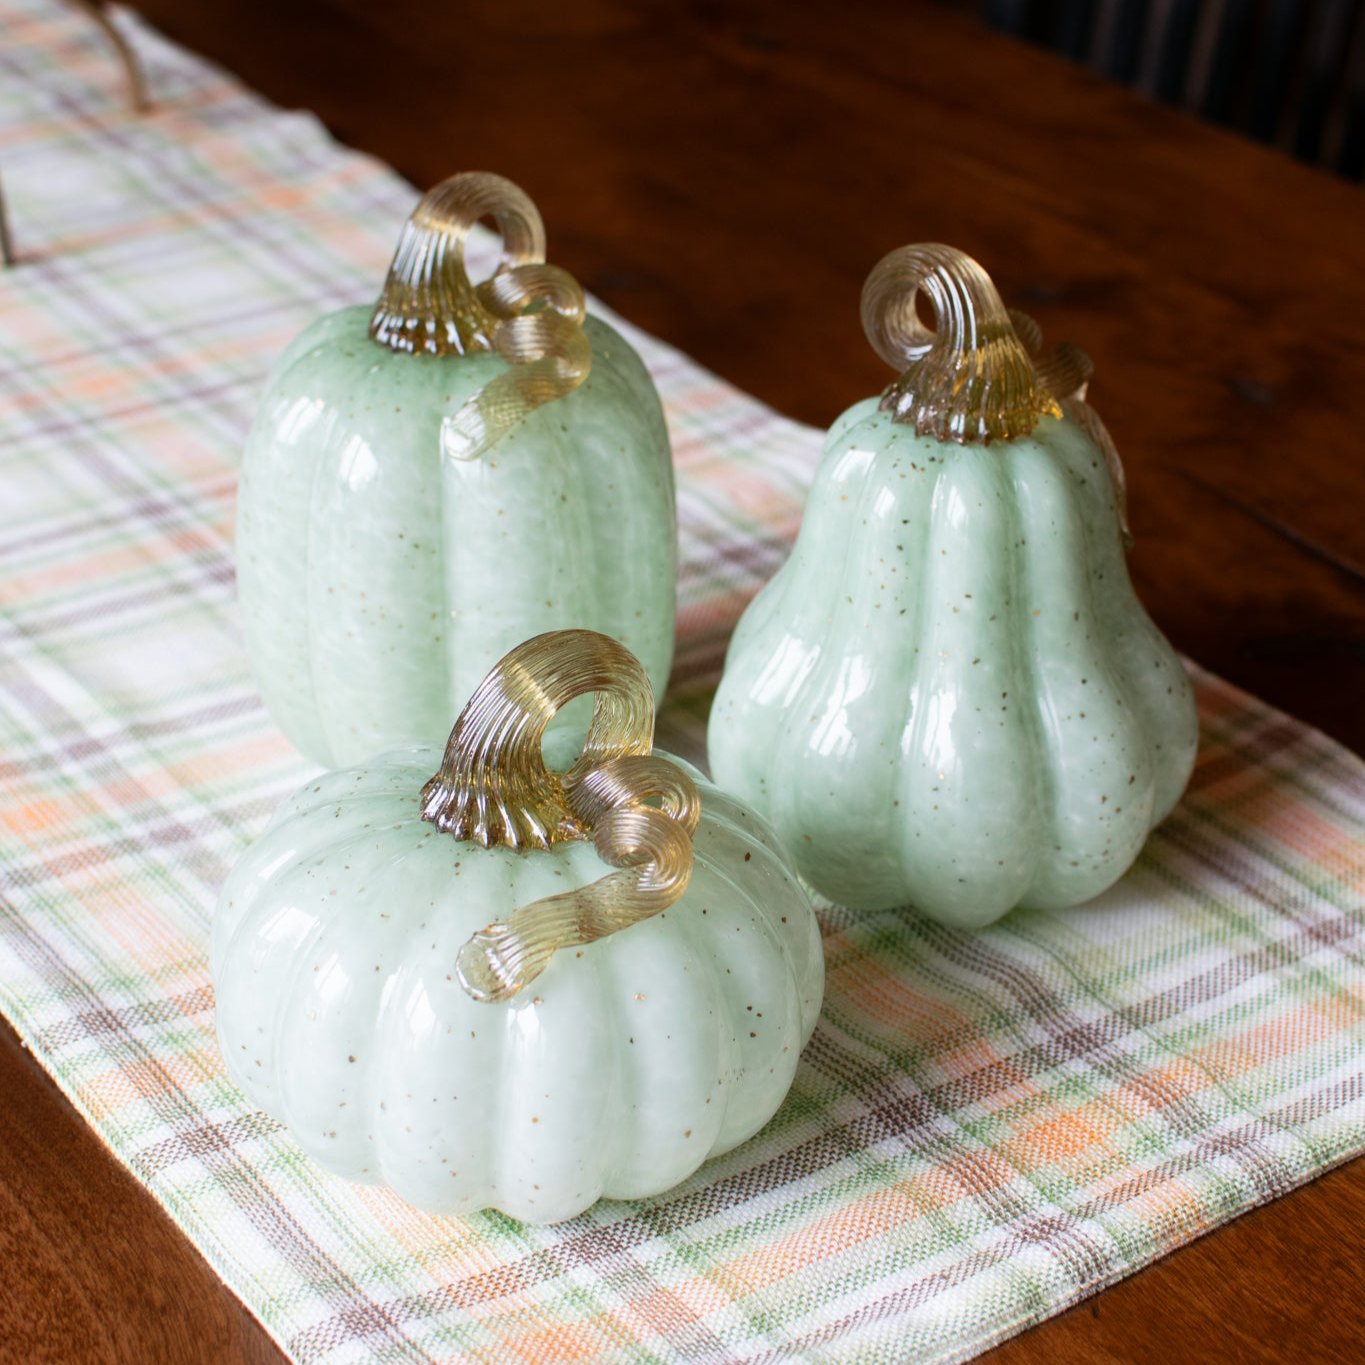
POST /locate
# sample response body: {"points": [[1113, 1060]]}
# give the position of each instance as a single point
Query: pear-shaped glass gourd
{"points": [[949, 695], [514, 985], [433, 479]]}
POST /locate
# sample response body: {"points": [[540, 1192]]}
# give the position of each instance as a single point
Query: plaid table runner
{"points": [[985, 1127]]}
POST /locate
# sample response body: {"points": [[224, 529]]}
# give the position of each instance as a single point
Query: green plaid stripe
{"points": [[984, 1127]]}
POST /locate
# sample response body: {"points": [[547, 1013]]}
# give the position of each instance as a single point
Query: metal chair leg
{"points": [[6, 242], [138, 98]]}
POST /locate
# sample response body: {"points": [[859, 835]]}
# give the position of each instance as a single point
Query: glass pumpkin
{"points": [[431, 480], [949, 695], [637, 1004]]}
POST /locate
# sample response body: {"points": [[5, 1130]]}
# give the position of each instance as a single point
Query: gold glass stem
{"points": [[970, 377], [493, 788], [652, 847], [980, 373], [529, 313], [539, 311], [428, 305]]}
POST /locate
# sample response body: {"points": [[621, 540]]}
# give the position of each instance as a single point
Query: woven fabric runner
{"points": [[985, 1127]]}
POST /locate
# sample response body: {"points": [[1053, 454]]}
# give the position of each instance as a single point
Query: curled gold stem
{"points": [[651, 846], [538, 330], [980, 373], [428, 305], [529, 313], [970, 377], [493, 788]]}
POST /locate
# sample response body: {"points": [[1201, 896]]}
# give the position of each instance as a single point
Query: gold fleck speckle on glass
{"points": [[494, 788]]}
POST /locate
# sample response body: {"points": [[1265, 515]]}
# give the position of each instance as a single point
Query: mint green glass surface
{"points": [[344, 1009], [410, 508], [949, 696]]}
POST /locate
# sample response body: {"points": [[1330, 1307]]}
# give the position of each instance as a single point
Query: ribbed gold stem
{"points": [[529, 313], [979, 374], [493, 788], [971, 377]]}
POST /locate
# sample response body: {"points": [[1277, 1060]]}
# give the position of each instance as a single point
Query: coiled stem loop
{"points": [[529, 313], [973, 375], [493, 787]]}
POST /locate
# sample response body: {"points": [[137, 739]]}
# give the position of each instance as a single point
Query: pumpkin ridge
{"points": [[816, 584], [611, 581], [302, 1118], [533, 581], [277, 1003], [1039, 728], [1171, 727], [385, 776], [351, 805], [1167, 732], [371, 579], [729, 1020], [1086, 829], [311, 648], [1022, 672], [602, 574], [500, 1099], [772, 855], [297, 991], [231, 939], [275, 633], [513, 1051], [913, 478], [912, 705], [720, 807], [725, 1028], [746, 665], [770, 728], [606, 1148], [958, 772], [640, 1053], [254, 872], [757, 836]]}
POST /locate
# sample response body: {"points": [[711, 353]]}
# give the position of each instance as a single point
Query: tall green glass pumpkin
{"points": [[432, 480], [949, 696]]}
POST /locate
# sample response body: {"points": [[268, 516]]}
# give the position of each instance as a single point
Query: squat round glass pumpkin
{"points": [[606, 1032], [949, 695], [434, 479]]}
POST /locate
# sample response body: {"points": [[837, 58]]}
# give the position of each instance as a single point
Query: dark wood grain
{"points": [[725, 175], [91, 1269]]}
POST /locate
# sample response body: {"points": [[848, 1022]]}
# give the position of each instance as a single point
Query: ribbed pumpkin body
{"points": [[380, 579], [623, 1066], [949, 695]]}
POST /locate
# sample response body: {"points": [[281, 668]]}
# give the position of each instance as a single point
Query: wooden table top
{"points": [[725, 176]]}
